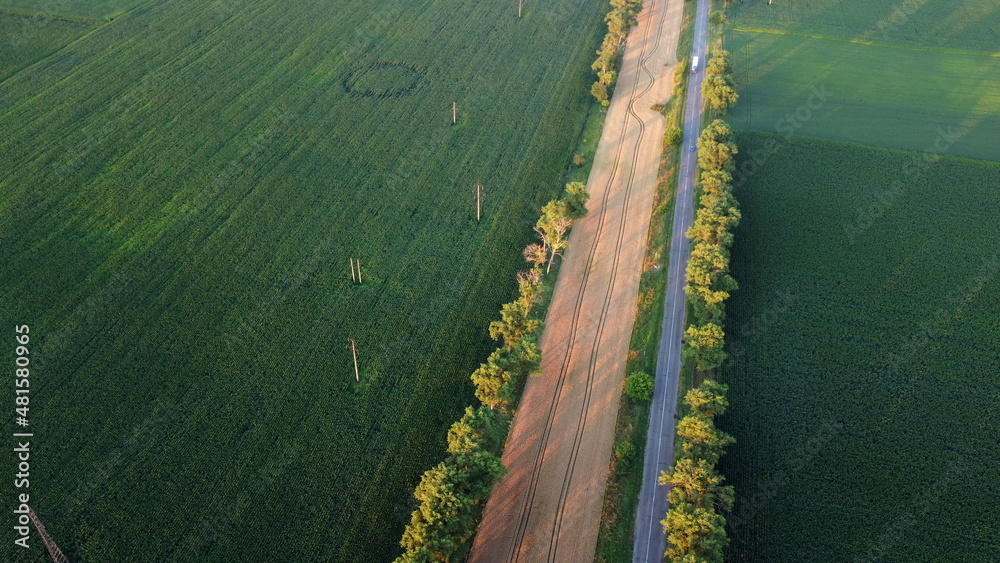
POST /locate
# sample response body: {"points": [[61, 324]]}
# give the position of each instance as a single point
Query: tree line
{"points": [[695, 525], [623, 16], [718, 85], [452, 494], [709, 282]]}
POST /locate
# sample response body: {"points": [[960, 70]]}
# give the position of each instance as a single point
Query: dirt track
{"points": [[548, 507]]}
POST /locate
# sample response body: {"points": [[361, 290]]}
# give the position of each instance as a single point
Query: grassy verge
{"points": [[587, 144], [625, 475]]}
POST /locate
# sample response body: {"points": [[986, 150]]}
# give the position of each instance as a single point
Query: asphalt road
{"points": [[650, 542]]}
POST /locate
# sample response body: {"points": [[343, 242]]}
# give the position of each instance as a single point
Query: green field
{"points": [[875, 95], [181, 192], [864, 357], [97, 9], [26, 39], [970, 25]]}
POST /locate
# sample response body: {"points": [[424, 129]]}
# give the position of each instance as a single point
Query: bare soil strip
{"points": [[548, 507]]}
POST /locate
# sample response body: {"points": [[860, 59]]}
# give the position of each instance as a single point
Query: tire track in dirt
{"points": [[550, 491]]}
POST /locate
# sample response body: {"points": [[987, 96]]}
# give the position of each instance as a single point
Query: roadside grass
{"points": [[615, 540], [869, 94], [587, 144], [864, 405], [936, 24]]}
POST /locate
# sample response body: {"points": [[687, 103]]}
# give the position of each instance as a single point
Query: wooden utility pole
{"points": [[354, 352], [479, 199], [359, 271], [454, 113], [520, 4], [54, 552], [353, 279]]}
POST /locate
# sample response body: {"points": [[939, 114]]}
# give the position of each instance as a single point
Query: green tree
{"points": [[576, 200], [715, 155], [639, 386], [450, 498], [529, 286], [600, 92], [496, 380], [719, 92], [700, 439], [674, 136], [698, 482], [624, 455], [552, 227], [695, 534], [716, 181], [719, 63], [705, 344], [479, 429], [514, 323], [709, 398]]}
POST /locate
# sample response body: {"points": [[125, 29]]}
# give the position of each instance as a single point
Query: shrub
{"points": [[624, 454], [674, 136], [579, 160], [639, 386]]}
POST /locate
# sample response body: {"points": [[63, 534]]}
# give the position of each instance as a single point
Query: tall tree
{"points": [[700, 438], [552, 227], [709, 398], [705, 345], [576, 200]]}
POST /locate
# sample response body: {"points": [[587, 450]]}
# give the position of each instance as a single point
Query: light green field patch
{"points": [[875, 95], [931, 24]]}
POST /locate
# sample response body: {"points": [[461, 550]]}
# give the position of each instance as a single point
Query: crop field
{"points": [[26, 39], [875, 95], [864, 350], [967, 25], [96, 9], [182, 191]]}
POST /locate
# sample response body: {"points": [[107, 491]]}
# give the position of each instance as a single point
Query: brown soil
{"points": [[548, 507]]}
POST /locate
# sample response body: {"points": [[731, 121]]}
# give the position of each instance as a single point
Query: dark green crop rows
{"points": [[180, 194], [864, 354]]}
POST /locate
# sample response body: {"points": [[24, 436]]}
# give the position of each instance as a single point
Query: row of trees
{"points": [[718, 85], [695, 525], [623, 15], [709, 282], [451, 495]]}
